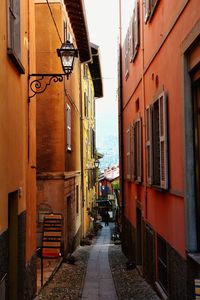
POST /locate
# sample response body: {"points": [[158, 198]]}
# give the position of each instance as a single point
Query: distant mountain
{"points": [[108, 146]]}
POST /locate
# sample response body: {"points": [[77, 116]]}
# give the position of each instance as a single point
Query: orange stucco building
{"points": [[17, 154], [58, 121], [159, 129]]}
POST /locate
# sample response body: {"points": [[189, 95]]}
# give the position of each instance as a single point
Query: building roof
{"points": [[109, 174], [77, 16], [95, 70]]}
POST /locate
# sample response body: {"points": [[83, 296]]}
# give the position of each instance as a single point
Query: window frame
{"points": [[14, 34]]}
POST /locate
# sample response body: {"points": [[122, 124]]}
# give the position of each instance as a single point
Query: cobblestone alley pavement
{"points": [[99, 273]]}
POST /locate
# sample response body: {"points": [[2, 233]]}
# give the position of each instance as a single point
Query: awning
{"points": [[95, 70]]}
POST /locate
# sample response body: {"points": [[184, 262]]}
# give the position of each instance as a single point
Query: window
{"points": [[127, 54], [14, 37], [92, 136], [136, 141], [156, 142], [162, 263], [134, 33], [85, 105], [68, 127], [128, 154], [149, 8]]}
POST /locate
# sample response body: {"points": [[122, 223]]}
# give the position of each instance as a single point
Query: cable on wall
{"points": [[54, 20]]}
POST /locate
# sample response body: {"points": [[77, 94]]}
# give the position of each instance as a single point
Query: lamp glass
{"points": [[67, 53]]}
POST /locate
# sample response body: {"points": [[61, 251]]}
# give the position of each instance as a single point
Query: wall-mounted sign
{"points": [[52, 233]]}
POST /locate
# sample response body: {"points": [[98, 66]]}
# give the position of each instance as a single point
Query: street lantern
{"points": [[67, 54], [96, 163]]}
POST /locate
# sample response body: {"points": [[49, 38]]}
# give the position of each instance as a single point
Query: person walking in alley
{"points": [[107, 217]]}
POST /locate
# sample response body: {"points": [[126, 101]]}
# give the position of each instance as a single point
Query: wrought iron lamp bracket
{"points": [[39, 85]]}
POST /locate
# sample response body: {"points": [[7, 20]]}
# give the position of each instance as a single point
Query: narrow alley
{"points": [[99, 273]]}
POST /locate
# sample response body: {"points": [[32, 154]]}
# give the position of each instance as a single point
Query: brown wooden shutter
{"points": [[136, 28], [133, 152], [139, 150], [149, 145], [146, 10], [131, 38], [163, 141], [128, 153], [127, 54]]}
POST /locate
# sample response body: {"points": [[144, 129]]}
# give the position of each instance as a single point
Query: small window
{"points": [[157, 142], [14, 34], [68, 127], [149, 9]]}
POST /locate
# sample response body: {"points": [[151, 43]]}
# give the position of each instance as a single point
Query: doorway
{"points": [[13, 245]]}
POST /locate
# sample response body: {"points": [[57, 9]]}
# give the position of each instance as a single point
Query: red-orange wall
{"points": [[162, 40]]}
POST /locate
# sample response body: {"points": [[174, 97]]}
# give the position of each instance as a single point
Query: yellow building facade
{"points": [[91, 90]]}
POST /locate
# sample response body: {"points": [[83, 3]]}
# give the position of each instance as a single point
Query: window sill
{"points": [[15, 60]]}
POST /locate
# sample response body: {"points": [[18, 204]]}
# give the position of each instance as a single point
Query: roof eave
{"points": [[77, 16]]}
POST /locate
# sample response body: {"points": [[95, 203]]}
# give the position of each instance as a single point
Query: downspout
{"points": [[144, 107], [120, 116]]}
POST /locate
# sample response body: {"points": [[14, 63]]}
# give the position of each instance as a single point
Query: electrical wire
{"points": [[54, 21]]}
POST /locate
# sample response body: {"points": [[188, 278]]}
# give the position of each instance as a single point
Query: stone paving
{"points": [[91, 277], [99, 283]]}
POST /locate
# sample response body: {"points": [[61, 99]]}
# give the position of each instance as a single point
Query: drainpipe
{"points": [[144, 107], [120, 115]]}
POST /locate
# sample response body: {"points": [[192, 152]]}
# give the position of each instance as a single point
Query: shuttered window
{"points": [[14, 35], [149, 8], [134, 33], [136, 151], [128, 154], [126, 63], [149, 145], [85, 105], [156, 142], [68, 127]]}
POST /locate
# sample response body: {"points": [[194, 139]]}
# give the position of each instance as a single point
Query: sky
{"points": [[102, 19]]}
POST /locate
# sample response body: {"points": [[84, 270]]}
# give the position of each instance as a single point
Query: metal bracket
{"points": [[38, 85]]}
